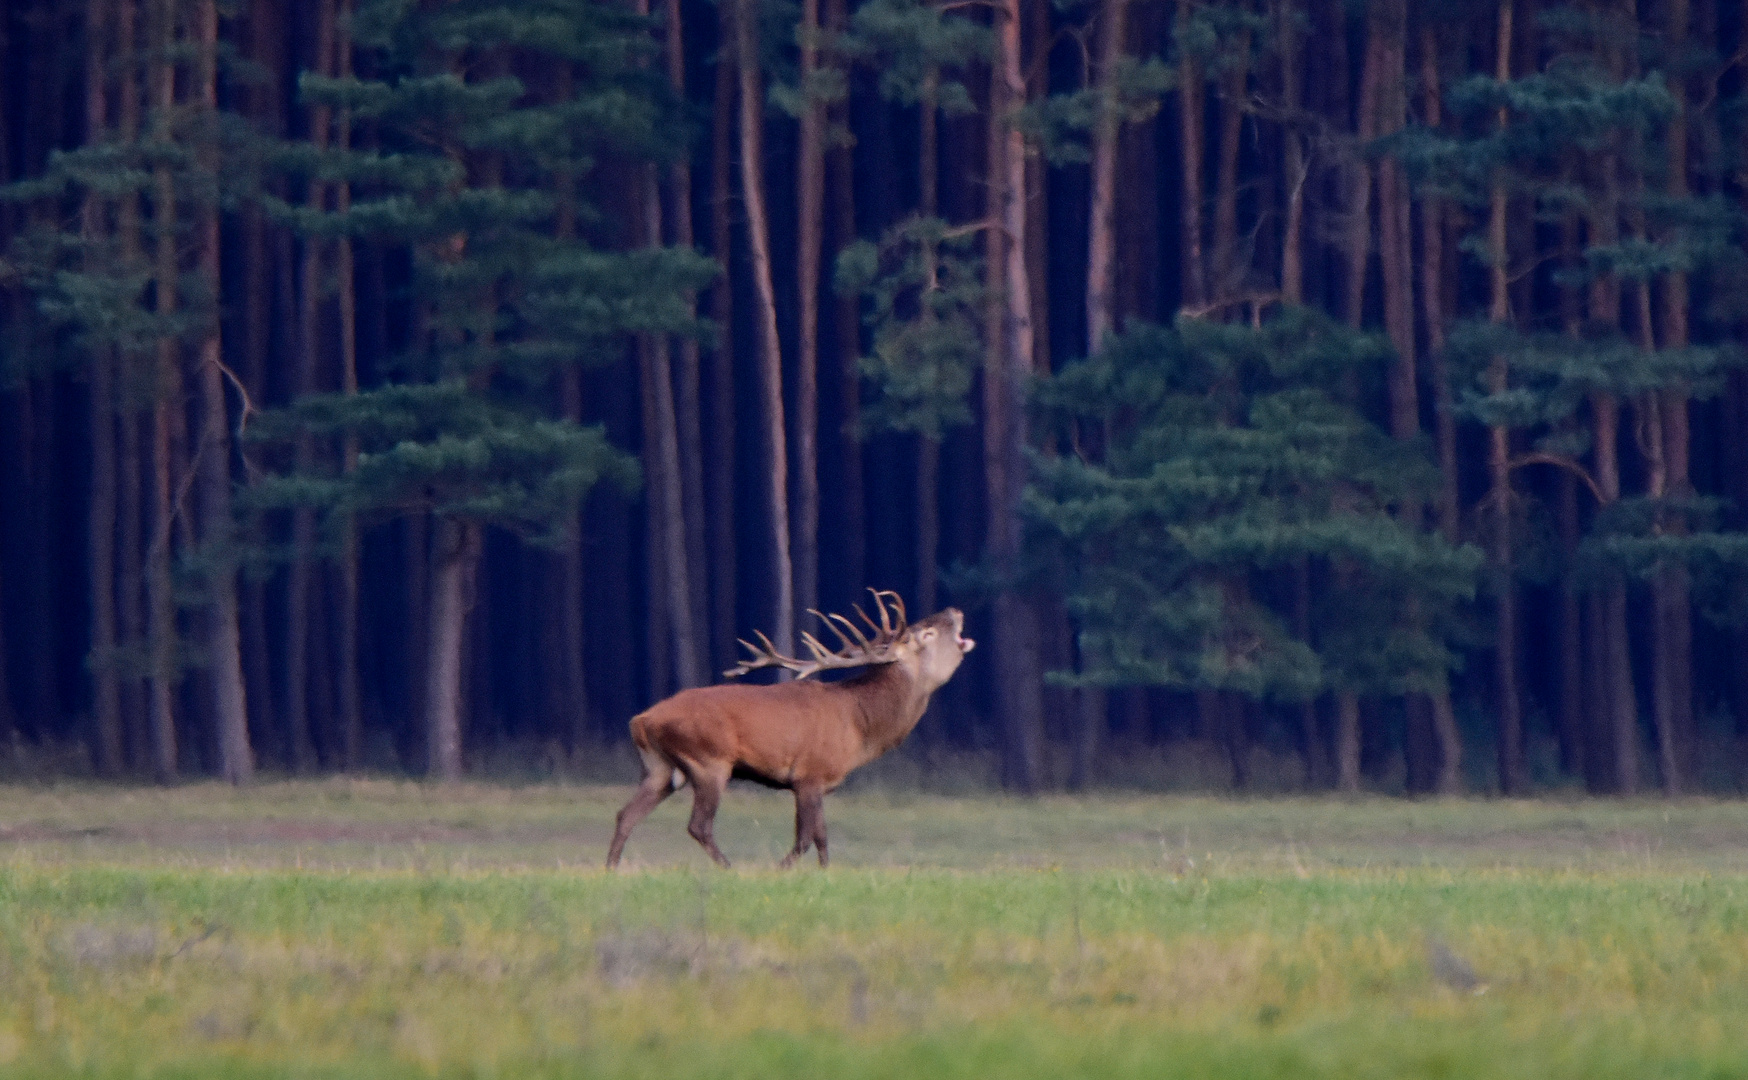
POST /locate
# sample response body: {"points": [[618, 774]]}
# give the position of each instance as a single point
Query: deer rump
{"points": [[799, 736]]}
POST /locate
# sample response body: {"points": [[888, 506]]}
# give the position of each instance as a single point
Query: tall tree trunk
{"points": [[1310, 736], [1616, 670], [1600, 770], [301, 582], [416, 564], [347, 581], [666, 501], [1357, 181], [1571, 635], [1347, 741], [1445, 730], [1228, 275], [1018, 667], [721, 495], [1356, 198], [662, 450], [1293, 292], [566, 678], [1511, 767], [166, 659], [842, 188], [688, 416], [1035, 42], [264, 103], [928, 448], [1093, 705], [223, 641], [770, 347], [1616, 692], [131, 534], [106, 690], [1395, 240], [106, 680], [1648, 427], [1101, 253], [456, 558], [131, 579], [1192, 109], [810, 227], [1671, 599], [1292, 155], [1396, 254], [571, 701], [1432, 289]]}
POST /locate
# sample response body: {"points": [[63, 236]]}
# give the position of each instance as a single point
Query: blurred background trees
{"points": [[1318, 393]]}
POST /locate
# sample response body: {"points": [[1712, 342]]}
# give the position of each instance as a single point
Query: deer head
{"points": [[934, 648]]}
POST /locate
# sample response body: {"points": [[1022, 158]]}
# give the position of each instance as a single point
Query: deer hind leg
{"points": [[819, 832], [707, 788], [809, 825], [658, 783]]}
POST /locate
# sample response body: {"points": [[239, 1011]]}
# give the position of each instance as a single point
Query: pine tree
{"points": [[1578, 140], [147, 321], [464, 179], [921, 52], [1232, 454]]}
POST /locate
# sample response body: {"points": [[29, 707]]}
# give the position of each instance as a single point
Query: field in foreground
{"points": [[368, 928]]}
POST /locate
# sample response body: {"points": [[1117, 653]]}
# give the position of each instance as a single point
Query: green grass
{"points": [[353, 928]]}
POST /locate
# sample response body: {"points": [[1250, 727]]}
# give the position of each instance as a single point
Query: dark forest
{"points": [[1312, 394]]}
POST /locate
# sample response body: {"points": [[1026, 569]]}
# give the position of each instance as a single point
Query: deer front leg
{"points": [[809, 825], [707, 789]]}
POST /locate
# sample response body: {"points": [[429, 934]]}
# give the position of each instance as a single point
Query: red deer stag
{"points": [[803, 736]]}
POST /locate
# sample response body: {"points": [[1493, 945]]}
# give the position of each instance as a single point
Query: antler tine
{"points": [[872, 625], [827, 619], [861, 638], [819, 651], [745, 666], [898, 603], [886, 628], [761, 658]]}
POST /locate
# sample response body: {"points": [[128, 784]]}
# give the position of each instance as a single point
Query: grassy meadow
{"points": [[354, 928]]}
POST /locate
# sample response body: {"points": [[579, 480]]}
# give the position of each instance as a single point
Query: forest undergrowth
{"points": [[360, 927]]}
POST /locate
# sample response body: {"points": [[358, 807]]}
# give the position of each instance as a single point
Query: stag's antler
{"points": [[858, 649]]}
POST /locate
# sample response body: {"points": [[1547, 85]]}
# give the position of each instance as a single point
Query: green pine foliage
{"points": [[1581, 141], [1230, 456], [910, 43], [474, 173], [925, 295], [93, 281]]}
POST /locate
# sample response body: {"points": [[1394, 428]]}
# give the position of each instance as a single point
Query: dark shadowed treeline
{"points": [[1331, 392]]}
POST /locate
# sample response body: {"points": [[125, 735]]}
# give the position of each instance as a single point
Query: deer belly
{"points": [[747, 772]]}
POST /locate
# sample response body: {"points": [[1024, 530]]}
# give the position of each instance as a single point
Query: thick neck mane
{"points": [[889, 703]]}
